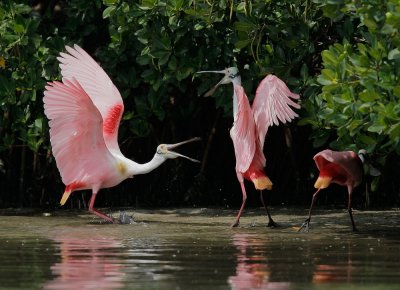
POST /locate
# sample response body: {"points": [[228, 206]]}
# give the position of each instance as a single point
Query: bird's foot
{"points": [[305, 227], [272, 224], [235, 224], [125, 218], [105, 218]]}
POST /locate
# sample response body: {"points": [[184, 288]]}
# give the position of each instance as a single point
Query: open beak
{"points": [[176, 154], [224, 80]]}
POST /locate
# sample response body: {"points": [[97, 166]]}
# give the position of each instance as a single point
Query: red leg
{"points": [[243, 204], [97, 212]]}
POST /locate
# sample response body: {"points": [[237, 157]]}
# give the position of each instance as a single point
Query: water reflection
{"points": [[334, 266], [63, 254], [86, 263], [252, 270]]}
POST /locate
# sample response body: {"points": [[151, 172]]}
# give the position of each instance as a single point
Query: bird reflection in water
{"points": [[252, 271], [87, 263], [341, 269]]}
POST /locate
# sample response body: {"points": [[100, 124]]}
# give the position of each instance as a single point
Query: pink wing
{"points": [[101, 90], [348, 160], [76, 133], [272, 104], [243, 132]]}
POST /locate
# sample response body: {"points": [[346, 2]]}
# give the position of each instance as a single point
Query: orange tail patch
{"points": [[66, 194], [69, 189], [323, 182], [262, 182]]}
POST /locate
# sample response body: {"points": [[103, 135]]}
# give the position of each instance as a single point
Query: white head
{"points": [[368, 167], [362, 153], [231, 75], [165, 150]]}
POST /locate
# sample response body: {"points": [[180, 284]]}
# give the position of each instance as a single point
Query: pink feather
{"points": [[271, 105], [78, 64], [76, 134], [347, 160], [243, 132], [85, 110]]}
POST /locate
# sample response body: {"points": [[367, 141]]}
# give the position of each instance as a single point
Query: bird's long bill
{"points": [[212, 71], [173, 146], [212, 90]]}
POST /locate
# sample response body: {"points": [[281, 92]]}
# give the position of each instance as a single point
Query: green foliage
{"points": [[341, 56], [159, 45], [21, 77], [165, 42], [29, 45], [359, 103], [154, 50]]}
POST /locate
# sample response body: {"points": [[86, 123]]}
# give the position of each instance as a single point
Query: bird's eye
{"points": [[161, 149]]}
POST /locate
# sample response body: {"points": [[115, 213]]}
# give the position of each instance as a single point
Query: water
{"points": [[197, 249]]}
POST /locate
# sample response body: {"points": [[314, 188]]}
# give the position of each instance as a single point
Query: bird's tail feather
{"points": [[323, 182], [262, 182], [66, 195]]}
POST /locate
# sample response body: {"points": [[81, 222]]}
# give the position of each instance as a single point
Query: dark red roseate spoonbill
{"points": [[341, 167], [85, 110], [250, 125]]}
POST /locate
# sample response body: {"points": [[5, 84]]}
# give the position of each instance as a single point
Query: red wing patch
{"points": [[111, 122]]}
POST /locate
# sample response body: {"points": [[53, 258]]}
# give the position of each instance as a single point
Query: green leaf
{"points": [[396, 91], [370, 23], [108, 11], [110, 2], [368, 95], [376, 128], [242, 43], [147, 4], [366, 139], [177, 4], [394, 131], [18, 28], [329, 58], [198, 26], [394, 54], [341, 100], [327, 77], [304, 72], [244, 26]]}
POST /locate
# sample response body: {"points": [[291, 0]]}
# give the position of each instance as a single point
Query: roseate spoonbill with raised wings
{"points": [[85, 110], [341, 167], [250, 125]]}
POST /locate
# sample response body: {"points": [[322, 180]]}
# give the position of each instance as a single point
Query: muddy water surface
{"points": [[197, 249]]}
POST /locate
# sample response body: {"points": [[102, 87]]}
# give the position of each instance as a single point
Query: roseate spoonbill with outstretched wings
{"points": [[250, 125], [341, 167], [85, 110]]}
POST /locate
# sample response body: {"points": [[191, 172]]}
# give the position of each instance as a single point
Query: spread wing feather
{"points": [[78, 64], [272, 104], [75, 132]]}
